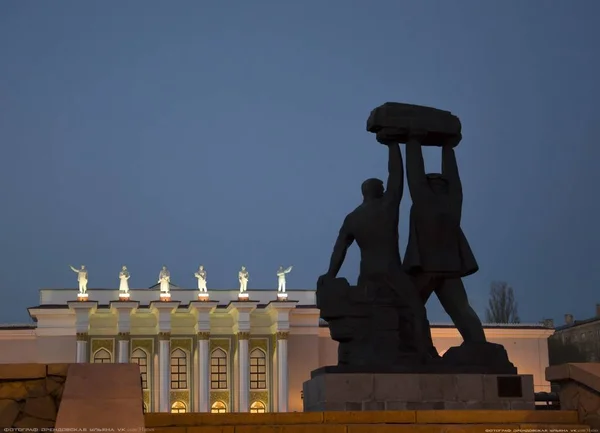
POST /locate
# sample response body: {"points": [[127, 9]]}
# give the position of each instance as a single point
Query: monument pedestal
{"points": [[380, 391]]}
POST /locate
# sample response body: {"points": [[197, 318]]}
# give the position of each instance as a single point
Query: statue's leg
{"points": [[425, 285], [453, 297]]}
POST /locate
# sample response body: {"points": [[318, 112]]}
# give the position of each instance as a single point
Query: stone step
{"points": [[365, 422], [378, 428]]}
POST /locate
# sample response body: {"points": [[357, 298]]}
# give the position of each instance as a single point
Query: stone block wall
{"points": [[30, 394], [376, 392], [579, 389]]}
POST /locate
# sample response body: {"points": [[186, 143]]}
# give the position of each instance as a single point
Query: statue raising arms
{"points": [[201, 276], [374, 226], [82, 278], [281, 273], [438, 254]]}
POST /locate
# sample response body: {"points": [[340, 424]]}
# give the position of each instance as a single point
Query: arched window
{"points": [[218, 407], [140, 358], [178, 369], [218, 369], [102, 356], [178, 407], [258, 369], [257, 407]]}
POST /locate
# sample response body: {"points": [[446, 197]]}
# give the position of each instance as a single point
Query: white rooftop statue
{"points": [[164, 279], [243, 277], [201, 276], [124, 280], [82, 278], [281, 278]]}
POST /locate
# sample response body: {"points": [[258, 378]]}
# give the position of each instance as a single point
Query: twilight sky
{"points": [[232, 133]]}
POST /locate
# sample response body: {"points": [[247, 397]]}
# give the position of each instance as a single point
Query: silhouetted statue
{"points": [[381, 324], [374, 227], [438, 254]]}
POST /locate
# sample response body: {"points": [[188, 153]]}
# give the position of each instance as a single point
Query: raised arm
{"points": [[450, 167], [73, 269], [415, 169], [340, 249], [395, 182], [450, 172]]}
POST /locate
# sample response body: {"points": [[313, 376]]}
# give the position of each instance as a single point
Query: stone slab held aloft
{"points": [[393, 121]]}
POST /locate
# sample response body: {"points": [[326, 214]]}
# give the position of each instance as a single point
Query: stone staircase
{"points": [[428, 421]]}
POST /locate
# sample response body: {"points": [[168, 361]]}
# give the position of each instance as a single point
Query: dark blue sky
{"points": [[226, 133]]}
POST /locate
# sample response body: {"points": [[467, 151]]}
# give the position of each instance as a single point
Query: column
{"points": [[244, 370], [163, 310], [282, 371], [82, 351], [123, 310], [123, 339], [164, 371], [240, 311], [280, 316], [83, 310], [203, 372], [202, 311]]}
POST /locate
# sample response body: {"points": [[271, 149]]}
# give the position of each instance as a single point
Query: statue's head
{"points": [[164, 268], [82, 266], [438, 183], [281, 268], [124, 268], [201, 268], [372, 189], [243, 268]]}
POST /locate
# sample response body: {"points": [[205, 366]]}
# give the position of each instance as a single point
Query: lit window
{"points": [[178, 407], [218, 407], [218, 369], [140, 358], [102, 356], [178, 369], [258, 369], [257, 407]]}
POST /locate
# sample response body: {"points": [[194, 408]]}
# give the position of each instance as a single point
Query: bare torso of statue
{"points": [[374, 224]]}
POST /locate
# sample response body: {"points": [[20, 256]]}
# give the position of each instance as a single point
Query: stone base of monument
{"points": [[373, 391], [82, 297], [165, 297]]}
